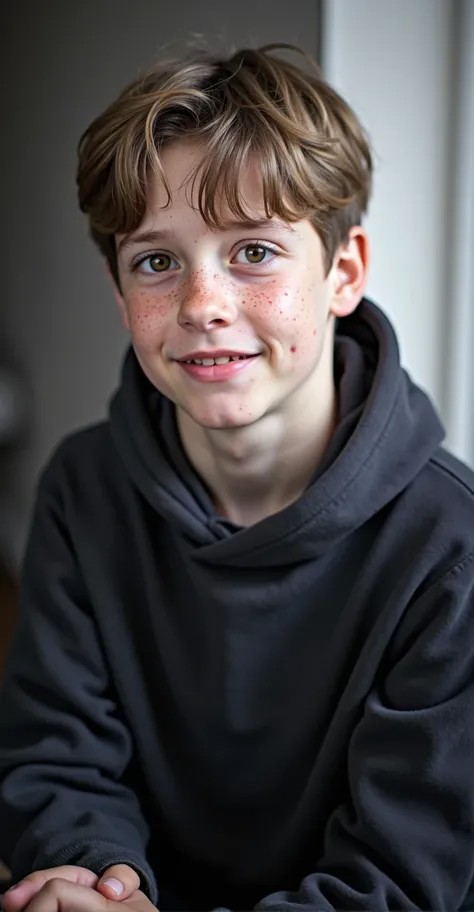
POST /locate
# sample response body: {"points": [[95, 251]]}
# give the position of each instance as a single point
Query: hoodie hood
{"points": [[387, 432]]}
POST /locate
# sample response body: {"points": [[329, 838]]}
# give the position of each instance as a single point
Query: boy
{"points": [[244, 671]]}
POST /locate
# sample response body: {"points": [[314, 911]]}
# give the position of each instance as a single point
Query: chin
{"points": [[223, 420]]}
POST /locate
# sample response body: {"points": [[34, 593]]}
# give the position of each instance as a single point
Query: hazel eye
{"points": [[155, 264], [159, 262], [255, 253]]}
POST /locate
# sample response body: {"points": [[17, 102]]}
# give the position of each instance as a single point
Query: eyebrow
{"points": [[154, 236]]}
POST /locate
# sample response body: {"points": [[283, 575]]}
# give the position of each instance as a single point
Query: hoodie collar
{"points": [[387, 431]]}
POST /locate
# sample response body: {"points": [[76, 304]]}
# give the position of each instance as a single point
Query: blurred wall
{"points": [[62, 62], [395, 62]]}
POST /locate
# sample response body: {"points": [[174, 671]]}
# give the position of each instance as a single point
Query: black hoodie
{"points": [[280, 715]]}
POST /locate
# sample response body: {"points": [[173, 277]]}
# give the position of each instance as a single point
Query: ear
{"points": [[349, 272], [119, 299]]}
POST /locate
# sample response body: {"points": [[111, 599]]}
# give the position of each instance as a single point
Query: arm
{"points": [[405, 840], [64, 751]]}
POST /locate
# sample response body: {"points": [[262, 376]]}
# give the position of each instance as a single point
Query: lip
{"points": [[218, 353], [217, 373]]}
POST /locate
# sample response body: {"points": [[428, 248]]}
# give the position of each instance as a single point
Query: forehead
{"points": [[179, 215], [181, 162]]}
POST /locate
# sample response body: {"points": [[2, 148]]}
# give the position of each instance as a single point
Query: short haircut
{"points": [[313, 155]]}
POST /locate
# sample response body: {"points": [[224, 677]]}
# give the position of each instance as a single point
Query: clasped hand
{"points": [[73, 889]]}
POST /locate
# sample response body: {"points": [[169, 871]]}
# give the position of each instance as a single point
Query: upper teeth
{"points": [[208, 362]]}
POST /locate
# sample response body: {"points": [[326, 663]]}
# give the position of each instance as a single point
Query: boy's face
{"points": [[258, 295]]}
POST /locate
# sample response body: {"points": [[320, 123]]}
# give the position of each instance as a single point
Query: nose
{"points": [[207, 302]]}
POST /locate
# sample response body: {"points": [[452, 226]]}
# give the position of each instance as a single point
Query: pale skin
{"points": [[257, 439], [70, 888], [254, 439]]}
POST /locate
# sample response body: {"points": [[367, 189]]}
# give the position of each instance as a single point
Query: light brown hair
{"points": [[313, 155]]}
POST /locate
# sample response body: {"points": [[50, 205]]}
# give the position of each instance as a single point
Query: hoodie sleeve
{"points": [[64, 751], [405, 837]]}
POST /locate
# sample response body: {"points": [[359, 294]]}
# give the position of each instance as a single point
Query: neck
{"points": [[258, 470]]}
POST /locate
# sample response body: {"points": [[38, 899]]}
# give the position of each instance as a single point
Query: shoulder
{"points": [[81, 458], [88, 443], [433, 517], [447, 484], [427, 529], [454, 476], [85, 488]]}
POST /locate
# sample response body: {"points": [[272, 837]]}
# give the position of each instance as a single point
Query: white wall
{"points": [[459, 381], [393, 61]]}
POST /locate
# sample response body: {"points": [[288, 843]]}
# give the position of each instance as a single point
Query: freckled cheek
{"points": [[147, 316], [269, 307], [288, 315], [301, 331]]}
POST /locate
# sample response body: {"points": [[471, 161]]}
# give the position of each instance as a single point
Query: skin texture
{"points": [[62, 896], [254, 439], [70, 888]]}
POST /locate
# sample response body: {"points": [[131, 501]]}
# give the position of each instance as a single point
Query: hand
{"points": [[18, 898], [60, 895]]}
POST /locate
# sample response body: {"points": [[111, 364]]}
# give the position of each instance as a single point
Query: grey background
{"points": [[62, 62]]}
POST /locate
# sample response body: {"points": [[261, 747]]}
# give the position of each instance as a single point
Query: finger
{"points": [[58, 895], [118, 882], [18, 897], [138, 902]]}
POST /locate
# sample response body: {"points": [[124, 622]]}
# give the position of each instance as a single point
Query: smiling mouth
{"points": [[224, 359]]}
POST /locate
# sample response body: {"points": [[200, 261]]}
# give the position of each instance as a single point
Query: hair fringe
{"points": [[252, 107]]}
